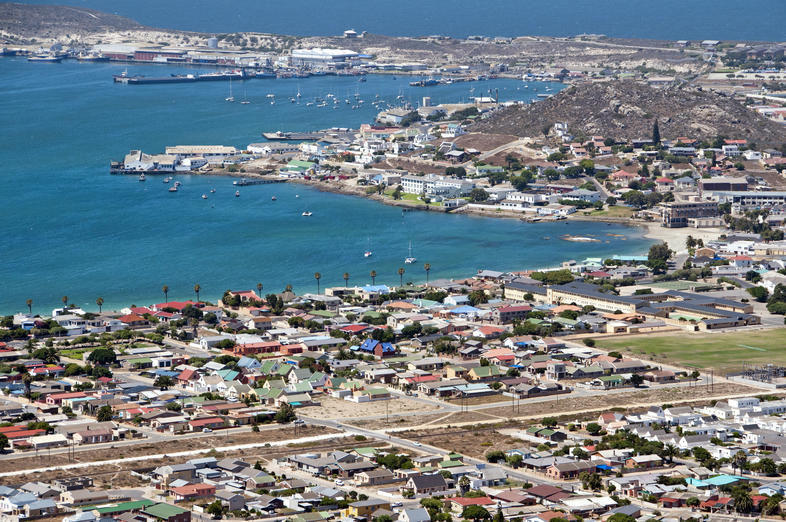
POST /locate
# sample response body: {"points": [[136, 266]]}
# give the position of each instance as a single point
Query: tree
{"points": [[739, 460], [759, 293], [658, 256], [197, 288], [427, 268], [102, 356], [3, 441], [259, 289], [477, 297], [401, 276], [100, 303], [464, 484], [620, 517], [317, 276], [165, 289], [215, 509], [478, 194], [475, 513], [285, 414], [163, 382], [743, 503], [29, 303], [670, 451], [636, 380], [104, 414], [656, 133], [590, 481], [495, 456], [346, 279], [373, 275], [549, 422], [593, 428]]}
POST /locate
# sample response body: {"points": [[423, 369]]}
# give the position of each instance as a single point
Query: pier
{"points": [[308, 136], [243, 182]]}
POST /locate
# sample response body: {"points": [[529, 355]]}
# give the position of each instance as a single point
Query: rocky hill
{"points": [[44, 21], [627, 109]]}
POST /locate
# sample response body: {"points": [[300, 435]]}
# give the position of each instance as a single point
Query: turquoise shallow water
{"points": [[662, 19], [70, 228]]}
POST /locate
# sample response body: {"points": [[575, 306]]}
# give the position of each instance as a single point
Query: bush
{"points": [[588, 342]]}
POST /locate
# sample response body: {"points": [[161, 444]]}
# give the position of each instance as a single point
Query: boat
{"points": [[172, 189], [237, 193], [142, 177], [368, 253], [297, 195], [46, 58], [204, 196], [410, 259], [167, 179], [273, 198], [212, 191], [177, 183], [230, 98], [306, 214], [270, 95]]}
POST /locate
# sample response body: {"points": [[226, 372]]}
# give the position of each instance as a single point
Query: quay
{"points": [[243, 182], [335, 132]]}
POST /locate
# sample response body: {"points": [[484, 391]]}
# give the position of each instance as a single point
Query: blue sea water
{"points": [[661, 19], [70, 228]]}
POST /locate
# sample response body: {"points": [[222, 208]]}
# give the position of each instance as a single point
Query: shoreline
{"points": [[674, 237]]}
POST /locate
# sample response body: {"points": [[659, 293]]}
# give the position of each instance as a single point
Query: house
{"points": [[374, 477], [364, 508], [414, 515], [643, 462], [232, 500], [193, 492], [167, 513], [569, 470], [426, 484], [377, 348]]}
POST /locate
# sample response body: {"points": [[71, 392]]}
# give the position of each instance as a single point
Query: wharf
{"points": [[243, 182], [308, 136]]}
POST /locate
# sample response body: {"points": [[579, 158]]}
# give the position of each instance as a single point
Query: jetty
{"points": [[335, 132], [243, 182]]}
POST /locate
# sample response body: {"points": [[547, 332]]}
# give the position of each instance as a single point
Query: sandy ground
{"points": [[332, 408], [675, 237]]}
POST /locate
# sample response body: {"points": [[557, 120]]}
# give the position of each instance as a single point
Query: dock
{"points": [[308, 136], [243, 182]]}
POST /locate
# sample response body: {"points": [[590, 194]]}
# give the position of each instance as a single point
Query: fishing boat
{"points": [[142, 177], [172, 189], [237, 193], [273, 198], [410, 259], [306, 214], [368, 253], [204, 196]]}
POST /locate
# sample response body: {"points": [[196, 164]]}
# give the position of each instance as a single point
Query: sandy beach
{"points": [[675, 237]]}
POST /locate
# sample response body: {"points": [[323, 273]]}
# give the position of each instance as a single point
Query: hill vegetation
{"points": [[627, 110], [46, 21]]}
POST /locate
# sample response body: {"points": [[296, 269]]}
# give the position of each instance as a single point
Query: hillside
{"points": [[42, 21], [626, 110]]}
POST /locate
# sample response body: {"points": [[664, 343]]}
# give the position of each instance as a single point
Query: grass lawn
{"points": [[615, 211], [721, 351]]}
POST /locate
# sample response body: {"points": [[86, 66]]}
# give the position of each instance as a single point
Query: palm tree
{"points": [[259, 289], [427, 267], [373, 277], [670, 451], [288, 288], [743, 503], [100, 303], [197, 288], [29, 305], [65, 301], [317, 276], [346, 279], [401, 277], [165, 289], [27, 379]]}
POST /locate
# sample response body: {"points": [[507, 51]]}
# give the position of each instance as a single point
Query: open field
{"points": [[43, 458], [720, 351], [332, 408]]}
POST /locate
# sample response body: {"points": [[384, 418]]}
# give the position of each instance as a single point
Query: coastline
{"points": [[674, 237]]}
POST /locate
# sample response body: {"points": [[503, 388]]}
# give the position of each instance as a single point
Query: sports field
{"points": [[722, 351]]}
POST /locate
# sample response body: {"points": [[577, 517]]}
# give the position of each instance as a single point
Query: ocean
{"points": [[72, 229], [663, 19]]}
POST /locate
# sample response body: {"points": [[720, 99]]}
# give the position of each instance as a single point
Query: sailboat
{"points": [[410, 259], [245, 98], [230, 98], [368, 252]]}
